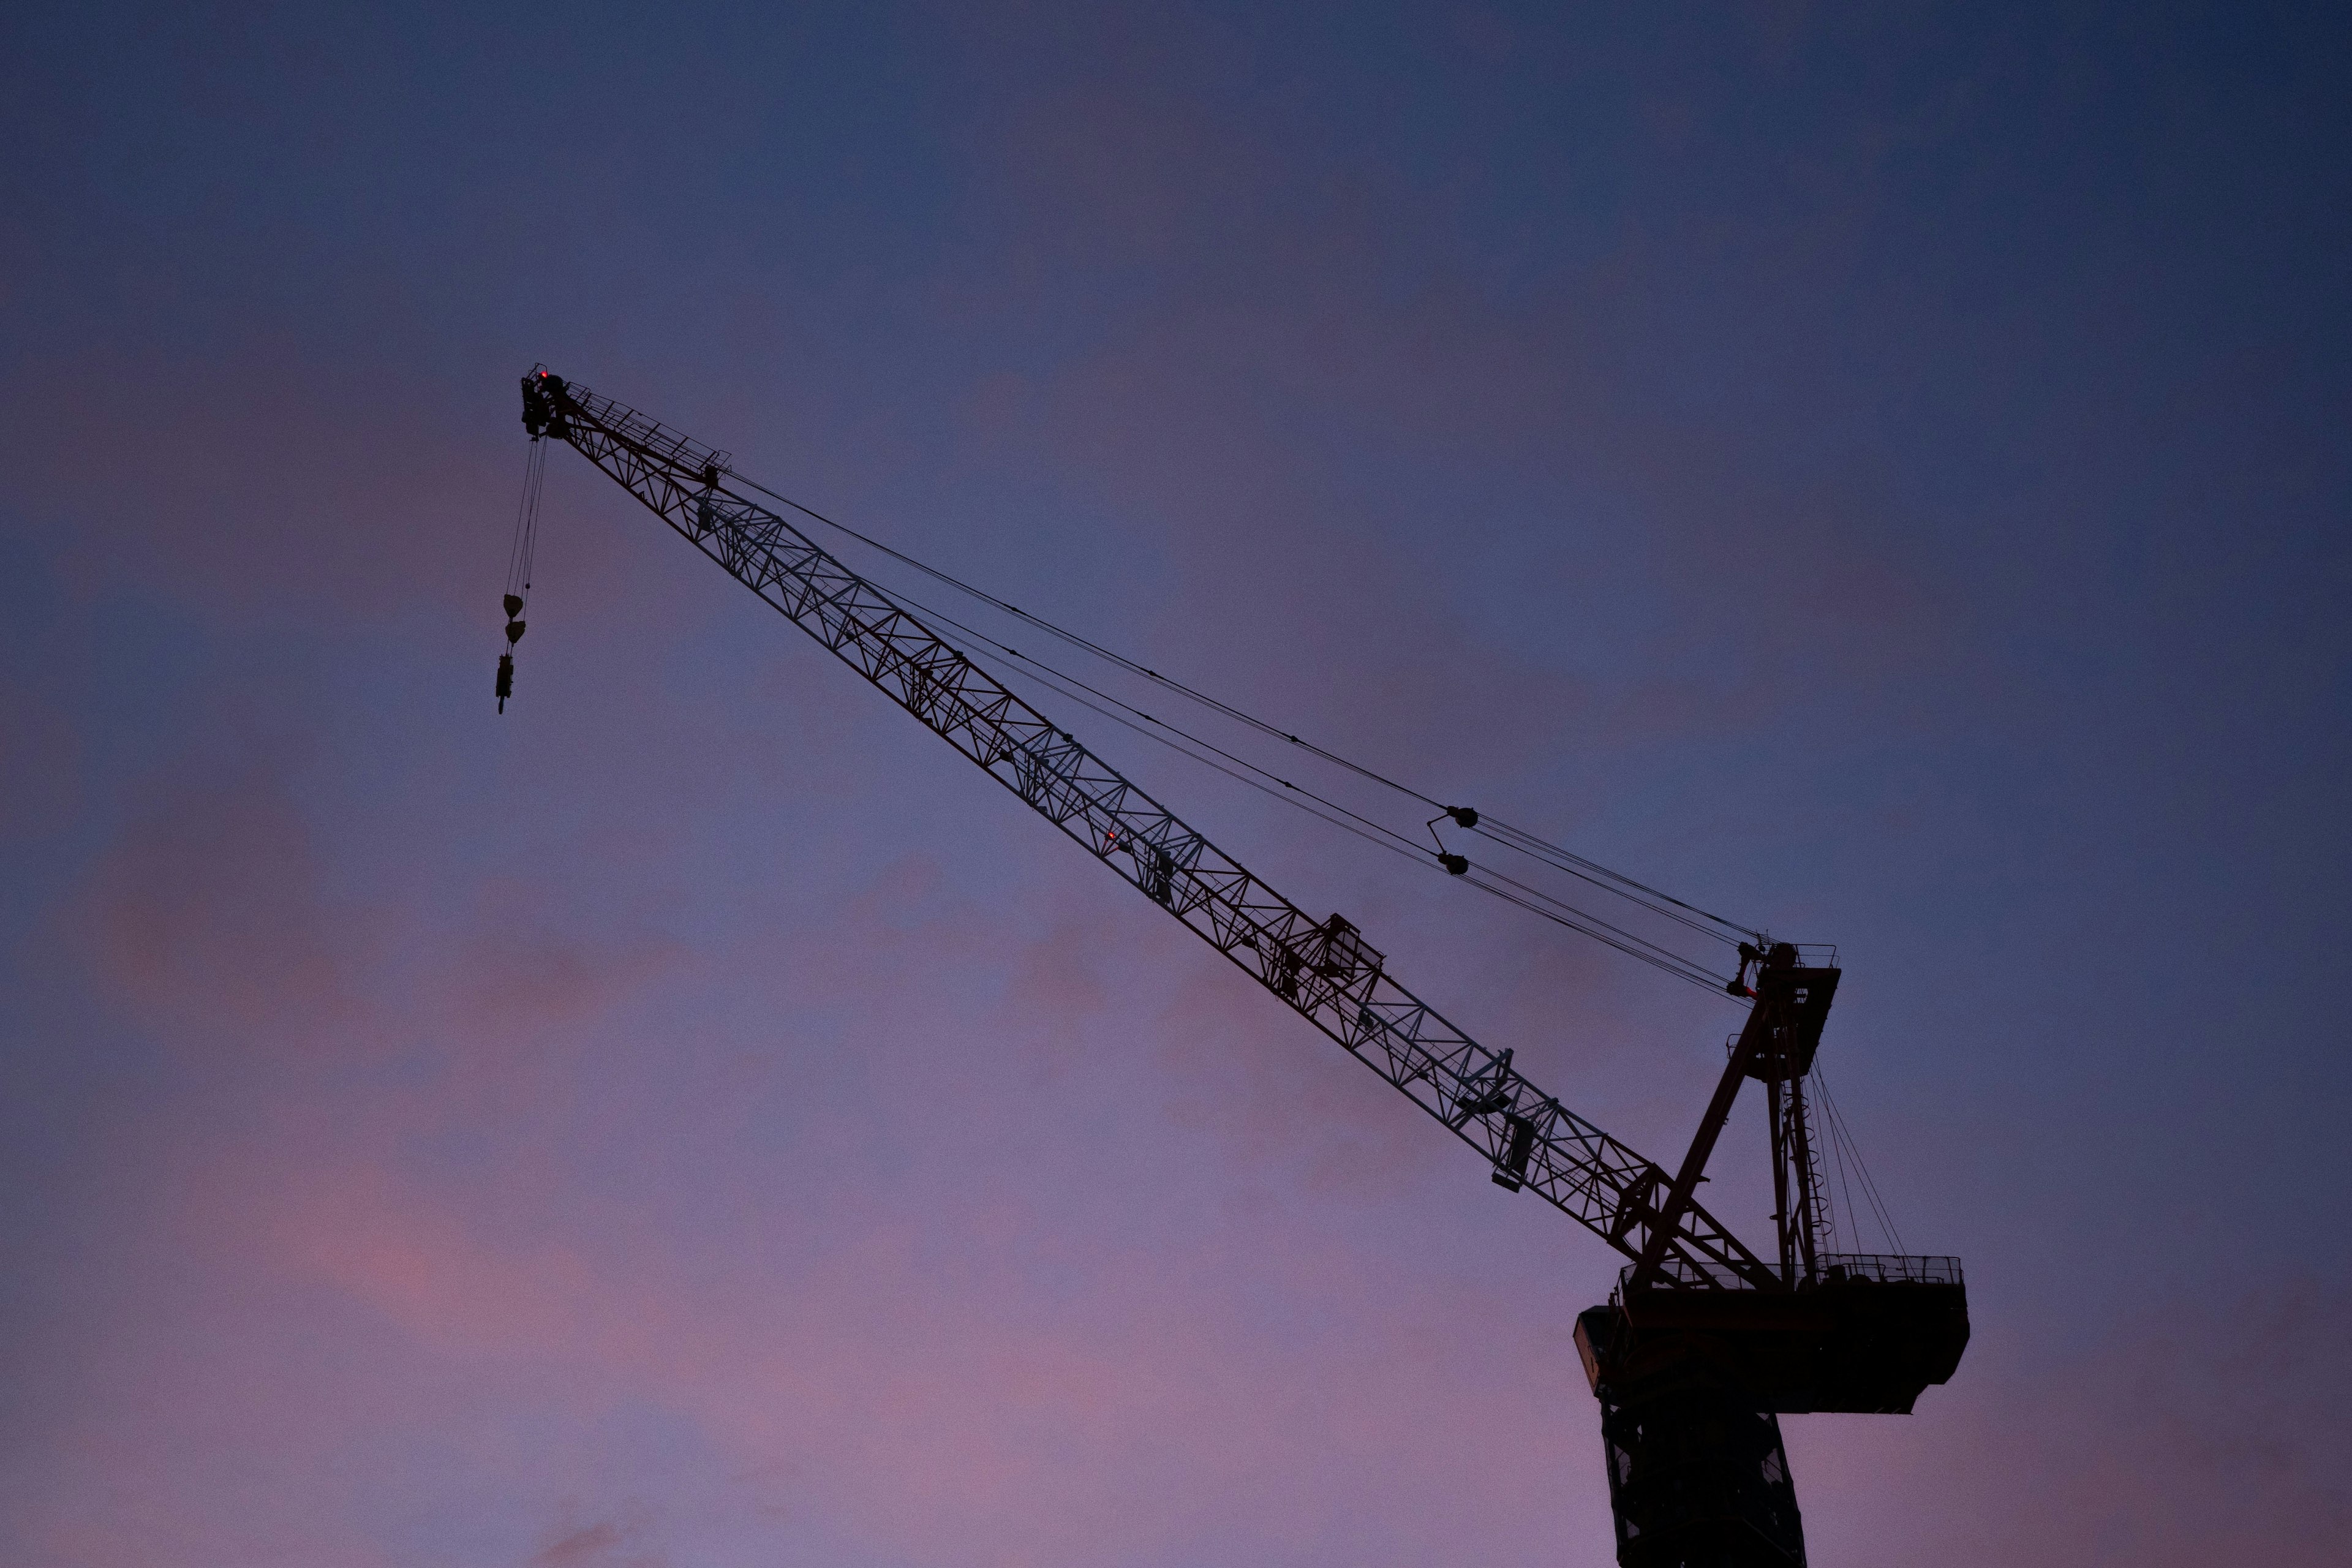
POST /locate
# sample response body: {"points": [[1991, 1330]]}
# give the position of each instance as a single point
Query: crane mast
{"points": [[1703, 1343]]}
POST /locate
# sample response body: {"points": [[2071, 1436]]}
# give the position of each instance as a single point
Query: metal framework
{"points": [[1323, 970]]}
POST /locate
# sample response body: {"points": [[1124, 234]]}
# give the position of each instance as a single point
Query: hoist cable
{"points": [[1014, 672], [1607, 881], [519, 553], [1840, 1130], [1095, 649], [1664, 957], [1412, 845], [525, 545], [1617, 882], [1599, 930], [1533, 900], [1561, 912], [1516, 837]]}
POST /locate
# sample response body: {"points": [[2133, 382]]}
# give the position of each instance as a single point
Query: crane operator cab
{"points": [[1694, 1367]]}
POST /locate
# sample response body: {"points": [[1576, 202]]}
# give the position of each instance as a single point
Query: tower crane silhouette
{"points": [[1705, 1343]]}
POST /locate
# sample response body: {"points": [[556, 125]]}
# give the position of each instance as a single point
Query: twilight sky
{"points": [[1879, 472]]}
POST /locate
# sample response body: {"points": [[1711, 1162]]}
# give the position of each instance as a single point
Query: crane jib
{"points": [[1322, 969]]}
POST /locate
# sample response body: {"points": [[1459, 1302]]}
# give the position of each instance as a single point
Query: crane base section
{"points": [[1868, 1336], [1698, 1479], [1693, 1376]]}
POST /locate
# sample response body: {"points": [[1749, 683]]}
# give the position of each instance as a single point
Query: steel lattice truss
{"points": [[1321, 968]]}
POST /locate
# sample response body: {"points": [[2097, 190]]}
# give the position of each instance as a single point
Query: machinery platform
{"points": [[1868, 1335]]}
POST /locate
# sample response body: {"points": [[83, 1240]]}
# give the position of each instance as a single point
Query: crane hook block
{"points": [[514, 632], [514, 605]]}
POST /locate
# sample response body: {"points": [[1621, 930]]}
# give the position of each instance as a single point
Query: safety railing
{"points": [[1887, 1268], [1829, 1269]]}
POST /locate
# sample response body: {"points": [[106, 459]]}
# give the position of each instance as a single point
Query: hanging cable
{"points": [[1514, 838], [524, 543], [1845, 1148], [1410, 846], [1604, 933], [1533, 900], [1015, 672], [1624, 887], [1093, 648], [520, 554], [1878, 1203]]}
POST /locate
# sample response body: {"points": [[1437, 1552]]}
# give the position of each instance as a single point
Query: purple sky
{"points": [[1880, 472]]}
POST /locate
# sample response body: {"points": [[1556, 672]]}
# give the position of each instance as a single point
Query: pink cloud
{"points": [[939, 1375], [922, 1410], [518, 971], [605, 1544], [207, 921]]}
